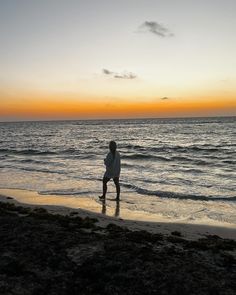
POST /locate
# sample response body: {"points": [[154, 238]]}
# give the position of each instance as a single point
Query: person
{"points": [[112, 163]]}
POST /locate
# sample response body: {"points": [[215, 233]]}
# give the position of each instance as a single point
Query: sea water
{"points": [[181, 169]]}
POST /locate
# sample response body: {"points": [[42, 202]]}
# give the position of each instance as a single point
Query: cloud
{"points": [[165, 98], [107, 72], [124, 75], [156, 29]]}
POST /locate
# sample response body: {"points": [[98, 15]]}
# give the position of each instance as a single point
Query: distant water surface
{"points": [[190, 159]]}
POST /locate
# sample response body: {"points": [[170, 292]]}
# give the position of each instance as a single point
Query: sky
{"points": [[85, 59]]}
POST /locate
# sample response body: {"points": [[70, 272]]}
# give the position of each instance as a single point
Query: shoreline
{"points": [[133, 220]]}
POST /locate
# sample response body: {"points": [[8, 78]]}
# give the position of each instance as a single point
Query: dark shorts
{"points": [[115, 179]]}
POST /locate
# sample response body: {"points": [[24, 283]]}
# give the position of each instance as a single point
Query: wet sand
{"points": [[134, 220]]}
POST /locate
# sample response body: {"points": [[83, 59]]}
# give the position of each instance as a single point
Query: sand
{"points": [[133, 220]]}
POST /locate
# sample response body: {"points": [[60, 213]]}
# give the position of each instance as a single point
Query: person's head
{"points": [[112, 146]]}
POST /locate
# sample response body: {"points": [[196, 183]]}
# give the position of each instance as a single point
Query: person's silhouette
{"points": [[112, 163]]}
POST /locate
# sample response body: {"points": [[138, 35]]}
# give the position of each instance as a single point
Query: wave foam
{"points": [[174, 195]]}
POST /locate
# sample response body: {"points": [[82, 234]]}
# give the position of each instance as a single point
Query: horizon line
{"points": [[117, 119]]}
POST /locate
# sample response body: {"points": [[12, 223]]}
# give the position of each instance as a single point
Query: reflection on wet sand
{"points": [[117, 208], [104, 208]]}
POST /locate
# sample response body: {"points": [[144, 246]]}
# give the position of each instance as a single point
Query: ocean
{"points": [[180, 169]]}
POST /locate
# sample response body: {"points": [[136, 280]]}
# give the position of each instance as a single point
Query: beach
{"points": [[173, 231], [117, 147], [134, 220], [79, 252]]}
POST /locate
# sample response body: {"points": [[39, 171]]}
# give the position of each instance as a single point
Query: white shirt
{"points": [[112, 165]]}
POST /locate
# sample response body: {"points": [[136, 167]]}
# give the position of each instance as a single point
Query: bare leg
{"points": [[117, 184]]}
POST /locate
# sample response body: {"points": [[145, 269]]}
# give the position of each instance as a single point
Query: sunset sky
{"points": [[85, 59]]}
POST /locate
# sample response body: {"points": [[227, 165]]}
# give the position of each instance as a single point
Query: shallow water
{"points": [[168, 165]]}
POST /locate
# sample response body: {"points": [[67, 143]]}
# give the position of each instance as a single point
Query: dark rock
{"points": [[40, 210], [73, 213], [176, 233], [42, 253]]}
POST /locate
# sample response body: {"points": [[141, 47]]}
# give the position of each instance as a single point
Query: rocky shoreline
{"points": [[42, 253]]}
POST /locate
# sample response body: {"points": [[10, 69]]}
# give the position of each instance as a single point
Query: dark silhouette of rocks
{"points": [[41, 253]]}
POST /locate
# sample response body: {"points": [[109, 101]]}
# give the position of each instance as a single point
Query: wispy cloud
{"points": [[224, 80], [155, 28], [124, 75]]}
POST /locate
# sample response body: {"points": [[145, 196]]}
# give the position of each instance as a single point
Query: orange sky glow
{"points": [[51, 107]]}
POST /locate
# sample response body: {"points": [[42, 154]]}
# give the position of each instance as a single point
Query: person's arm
{"points": [[108, 161], [119, 163]]}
